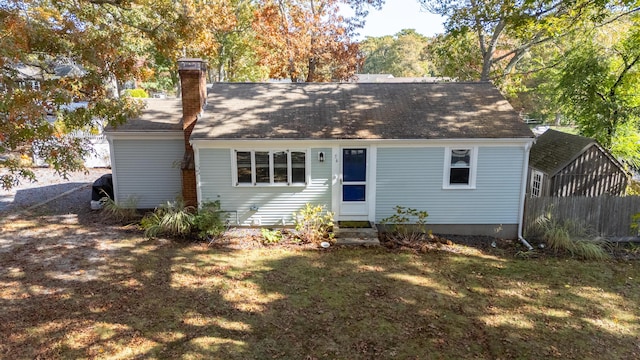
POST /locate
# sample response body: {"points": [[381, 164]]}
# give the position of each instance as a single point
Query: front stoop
{"points": [[356, 236]]}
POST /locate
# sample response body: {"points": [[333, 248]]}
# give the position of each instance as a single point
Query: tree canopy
{"points": [[308, 40], [506, 30], [402, 55], [574, 60], [40, 35], [599, 84], [111, 42]]}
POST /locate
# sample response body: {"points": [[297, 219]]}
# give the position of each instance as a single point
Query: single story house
{"points": [[264, 150], [562, 164]]}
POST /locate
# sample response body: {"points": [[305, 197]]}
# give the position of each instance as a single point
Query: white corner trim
{"points": [[196, 160], [523, 187], [372, 180], [114, 166]]}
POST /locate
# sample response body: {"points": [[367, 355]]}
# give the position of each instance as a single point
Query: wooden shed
{"points": [[562, 164]]}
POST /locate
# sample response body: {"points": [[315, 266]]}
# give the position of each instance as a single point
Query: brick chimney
{"points": [[193, 84]]}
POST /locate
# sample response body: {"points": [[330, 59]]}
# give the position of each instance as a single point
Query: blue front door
{"points": [[354, 182]]}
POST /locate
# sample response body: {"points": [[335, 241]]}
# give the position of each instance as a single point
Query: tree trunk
{"points": [[311, 75]]}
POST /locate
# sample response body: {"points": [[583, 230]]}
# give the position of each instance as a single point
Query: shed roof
{"points": [[554, 150], [358, 111]]}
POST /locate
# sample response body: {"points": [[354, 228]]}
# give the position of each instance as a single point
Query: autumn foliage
{"points": [[308, 40], [110, 42]]}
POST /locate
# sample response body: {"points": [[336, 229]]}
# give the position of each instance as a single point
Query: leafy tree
{"points": [[236, 57], [308, 39], [456, 56], [161, 73], [113, 41], [506, 30], [379, 54], [403, 54], [40, 35], [599, 86]]}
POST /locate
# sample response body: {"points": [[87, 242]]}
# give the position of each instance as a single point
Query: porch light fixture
{"points": [[321, 156]]}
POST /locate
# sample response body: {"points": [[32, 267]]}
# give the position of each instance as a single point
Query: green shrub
{"points": [[208, 221], [406, 225], [136, 93], [313, 224], [633, 188], [271, 236], [120, 213], [570, 236], [635, 223]]}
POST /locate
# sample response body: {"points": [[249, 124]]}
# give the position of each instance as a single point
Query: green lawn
{"points": [[111, 294]]}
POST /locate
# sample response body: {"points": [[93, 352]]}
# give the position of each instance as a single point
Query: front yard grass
{"points": [[112, 294]]}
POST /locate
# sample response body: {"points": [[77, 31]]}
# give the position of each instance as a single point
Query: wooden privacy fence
{"points": [[610, 216]]}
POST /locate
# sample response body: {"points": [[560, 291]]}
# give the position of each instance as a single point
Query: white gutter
{"points": [[523, 194]]}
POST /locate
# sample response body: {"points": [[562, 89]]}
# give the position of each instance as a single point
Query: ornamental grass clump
{"points": [[172, 219], [175, 219], [570, 236], [121, 213]]}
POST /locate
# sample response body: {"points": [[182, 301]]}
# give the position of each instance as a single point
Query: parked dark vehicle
{"points": [[103, 187]]}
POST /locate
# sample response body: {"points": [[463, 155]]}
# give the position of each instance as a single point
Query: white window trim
{"points": [[289, 183], [535, 173], [472, 169]]}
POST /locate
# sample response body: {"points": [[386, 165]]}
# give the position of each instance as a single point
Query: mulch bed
{"points": [[251, 238], [453, 243]]}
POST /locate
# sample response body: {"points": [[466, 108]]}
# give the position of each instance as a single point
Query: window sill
{"points": [[300, 185], [459, 187]]}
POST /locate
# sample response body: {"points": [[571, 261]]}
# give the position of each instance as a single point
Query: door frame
{"points": [[368, 209]]}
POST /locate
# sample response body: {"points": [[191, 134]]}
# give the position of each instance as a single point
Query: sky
{"points": [[401, 14]]}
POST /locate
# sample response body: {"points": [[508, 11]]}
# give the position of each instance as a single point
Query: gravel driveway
{"points": [[48, 190]]}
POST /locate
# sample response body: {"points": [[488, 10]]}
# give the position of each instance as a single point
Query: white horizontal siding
{"points": [[147, 170], [275, 204], [412, 177]]}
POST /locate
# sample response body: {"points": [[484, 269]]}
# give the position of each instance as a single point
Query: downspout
{"points": [[523, 194]]}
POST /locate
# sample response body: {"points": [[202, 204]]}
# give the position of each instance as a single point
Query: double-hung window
{"points": [[460, 168], [270, 167]]}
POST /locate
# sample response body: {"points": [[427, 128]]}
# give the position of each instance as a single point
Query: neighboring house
{"points": [[562, 164], [371, 78], [99, 154], [456, 150], [31, 77]]}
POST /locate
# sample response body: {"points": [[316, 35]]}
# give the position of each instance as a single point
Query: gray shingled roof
{"points": [[158, 115], [554, 150], [358, 111]]}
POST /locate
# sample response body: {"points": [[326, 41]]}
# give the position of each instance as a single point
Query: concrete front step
{"points": [[357, 242], [357, 236]]}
